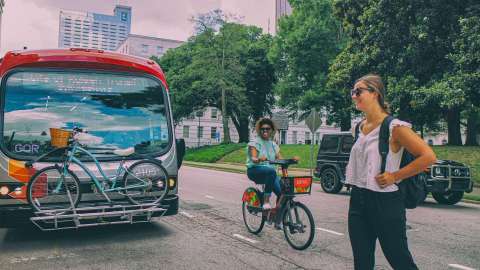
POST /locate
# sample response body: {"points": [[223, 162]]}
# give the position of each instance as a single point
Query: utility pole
{"points": [[198, 130]]}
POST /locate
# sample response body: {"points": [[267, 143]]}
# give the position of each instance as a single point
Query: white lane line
{"points": [[209, 197], [329, 231], [245, 238], [186, 214], [458, 266]]}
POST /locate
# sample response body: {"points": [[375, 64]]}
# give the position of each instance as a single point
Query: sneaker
{"points": [[267, 206], [278, 226]]}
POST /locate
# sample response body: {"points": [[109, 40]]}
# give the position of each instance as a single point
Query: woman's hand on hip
{"points": [[385, 179]]}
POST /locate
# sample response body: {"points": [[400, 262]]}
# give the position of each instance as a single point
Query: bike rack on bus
{"points": [[78, 217], [60, 219]]}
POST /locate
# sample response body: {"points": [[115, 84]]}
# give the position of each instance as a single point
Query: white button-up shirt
{"points": [[365, 160]]}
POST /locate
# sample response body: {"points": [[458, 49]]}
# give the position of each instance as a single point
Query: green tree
{"points": [[466, 71], [407, 42], [232, 60], [306, 43]]}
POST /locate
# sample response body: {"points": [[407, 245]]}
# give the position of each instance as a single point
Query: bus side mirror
{"points": [[180, 146]]}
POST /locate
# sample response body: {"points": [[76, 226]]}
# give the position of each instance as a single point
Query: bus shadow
{"points": [[31, 238]]}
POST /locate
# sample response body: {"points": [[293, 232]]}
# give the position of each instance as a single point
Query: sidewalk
{"points": [[240, 168]]}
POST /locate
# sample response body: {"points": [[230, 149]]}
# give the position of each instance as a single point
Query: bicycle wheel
{"points": [[47, 190], [252, 211], [298, 225], [146, 181]]}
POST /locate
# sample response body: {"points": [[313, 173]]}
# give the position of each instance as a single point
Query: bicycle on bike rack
{"points": [[295, 217], [56, 190]]}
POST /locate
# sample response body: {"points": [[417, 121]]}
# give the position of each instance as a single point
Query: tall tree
{"points": [[232, 60], [306, 43], [466, 72], [407, 42]]}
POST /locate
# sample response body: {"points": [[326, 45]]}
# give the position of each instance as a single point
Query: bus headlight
{"points": [[4, 190], [171, 183]]}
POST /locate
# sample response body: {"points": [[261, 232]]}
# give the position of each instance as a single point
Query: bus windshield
{"points": [[117, 110]]}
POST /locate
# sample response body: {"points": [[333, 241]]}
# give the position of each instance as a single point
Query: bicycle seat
{"points": [[124, 152]]}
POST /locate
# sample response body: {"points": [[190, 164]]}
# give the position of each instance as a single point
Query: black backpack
{"points": [[413, 188]]}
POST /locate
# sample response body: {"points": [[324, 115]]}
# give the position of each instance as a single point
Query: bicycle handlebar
{"points": [[284, 162]]}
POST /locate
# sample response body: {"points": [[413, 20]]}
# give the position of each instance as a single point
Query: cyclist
{"points": [[260, 151]]}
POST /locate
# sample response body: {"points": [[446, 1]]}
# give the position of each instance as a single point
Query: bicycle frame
{"points": [[72, 159]]}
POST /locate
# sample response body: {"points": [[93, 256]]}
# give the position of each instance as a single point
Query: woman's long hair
{"points": [[375, 84]]}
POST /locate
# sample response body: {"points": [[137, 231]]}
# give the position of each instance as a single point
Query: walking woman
{"points": [[377, 209]]}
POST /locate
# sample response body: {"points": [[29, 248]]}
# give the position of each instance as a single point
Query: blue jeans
{"points": [[267, 176]]}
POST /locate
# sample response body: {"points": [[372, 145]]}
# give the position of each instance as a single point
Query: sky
{"points": [[34, 23]]}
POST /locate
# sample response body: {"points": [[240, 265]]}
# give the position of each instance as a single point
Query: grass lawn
{"points": [[212, 153], [469, 155], [287, 151], [235, 153]]}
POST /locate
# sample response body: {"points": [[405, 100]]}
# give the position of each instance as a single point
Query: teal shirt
{"points": [[266, 148]]}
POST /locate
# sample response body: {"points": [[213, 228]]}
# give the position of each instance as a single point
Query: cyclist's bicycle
{"points": [[56, 189], [295, 217]]}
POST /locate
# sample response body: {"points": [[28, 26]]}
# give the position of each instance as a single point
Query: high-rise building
{"points": [[282, 8], [144, 46], [2, 4], [93, 30]]}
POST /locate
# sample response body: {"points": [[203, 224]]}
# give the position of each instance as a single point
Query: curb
{"points": [[242, 171]]}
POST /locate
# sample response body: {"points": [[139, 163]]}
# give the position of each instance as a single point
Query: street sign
{"points": [[313, 121]]}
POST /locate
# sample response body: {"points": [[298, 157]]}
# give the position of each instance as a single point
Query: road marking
{"points": [[49, 257], [186, 214], [458, 266], [329, 231], [245, 238], [209, 197]]}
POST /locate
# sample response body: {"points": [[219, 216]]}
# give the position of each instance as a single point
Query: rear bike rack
{"points": [[74, 218]]}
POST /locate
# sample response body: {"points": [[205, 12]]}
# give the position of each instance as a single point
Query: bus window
{"points": [[118, 111]]}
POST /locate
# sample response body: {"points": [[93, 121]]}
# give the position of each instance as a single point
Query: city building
{"points": [[282, 8], [206, 128], [93, 30], [144, 46], [2, 4]]}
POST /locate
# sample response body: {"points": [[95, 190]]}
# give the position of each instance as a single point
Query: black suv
{"points": [[447, 180]]}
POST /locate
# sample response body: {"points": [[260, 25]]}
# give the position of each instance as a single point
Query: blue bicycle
{"points": [[57, 189]]}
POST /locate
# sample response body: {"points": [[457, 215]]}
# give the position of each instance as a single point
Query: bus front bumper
{"points": [[13, 216]]}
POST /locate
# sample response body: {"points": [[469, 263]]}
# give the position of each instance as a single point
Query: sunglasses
{"points": [[265, 129], [358, 91]]}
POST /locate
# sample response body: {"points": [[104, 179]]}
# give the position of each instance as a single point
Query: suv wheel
{"points": [[449, 197], [330, 181]]}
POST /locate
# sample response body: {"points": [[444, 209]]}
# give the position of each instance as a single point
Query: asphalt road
{"points": [[209, 234]]}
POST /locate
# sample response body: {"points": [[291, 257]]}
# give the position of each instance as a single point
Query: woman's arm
{"points": [[254, 155], [404, 136]]}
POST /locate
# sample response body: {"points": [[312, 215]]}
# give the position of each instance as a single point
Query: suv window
{"points": [[329, 144], [347, 144]]}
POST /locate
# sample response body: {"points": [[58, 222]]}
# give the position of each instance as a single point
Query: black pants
{"points": [[379, 215]]}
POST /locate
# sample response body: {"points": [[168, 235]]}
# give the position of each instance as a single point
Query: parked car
{"points": [[447, 180]]}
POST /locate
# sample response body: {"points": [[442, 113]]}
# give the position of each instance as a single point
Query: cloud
{"points": [[24, 23], [34, 23]]}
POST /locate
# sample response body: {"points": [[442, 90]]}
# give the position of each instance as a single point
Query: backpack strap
{"points": [[357, 131], [383, 140]]}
